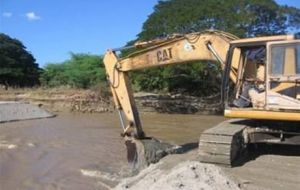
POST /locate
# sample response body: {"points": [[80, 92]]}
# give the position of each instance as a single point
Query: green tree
{"points": [[244, 18], [54, 75], [80, 71], [17, 65]]}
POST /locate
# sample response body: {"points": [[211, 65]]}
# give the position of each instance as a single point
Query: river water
{"points": [[71, 151]]}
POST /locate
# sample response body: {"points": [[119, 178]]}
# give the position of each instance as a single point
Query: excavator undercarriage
{"points": [[222, 144], [227, 142]]}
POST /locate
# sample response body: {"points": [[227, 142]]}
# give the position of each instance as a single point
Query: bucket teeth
{"points": [[143, 152]]}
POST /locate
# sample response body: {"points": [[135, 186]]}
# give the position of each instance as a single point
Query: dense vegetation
{"points": [[80, 71], [244, 18], [17, 66]]}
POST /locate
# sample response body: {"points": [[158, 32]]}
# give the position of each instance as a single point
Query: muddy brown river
{"points": [[71, 150]]}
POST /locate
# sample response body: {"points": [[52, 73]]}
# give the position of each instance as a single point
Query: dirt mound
{"points": [[189, 175]]}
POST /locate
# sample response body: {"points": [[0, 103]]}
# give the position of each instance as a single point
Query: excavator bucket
{"points": [[143, 152]]}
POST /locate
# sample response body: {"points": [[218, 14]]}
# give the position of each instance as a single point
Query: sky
{"points": [[51, 29]]}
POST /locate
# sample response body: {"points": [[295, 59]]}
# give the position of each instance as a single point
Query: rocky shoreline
{"points": [[180, 104], [87, 101]]}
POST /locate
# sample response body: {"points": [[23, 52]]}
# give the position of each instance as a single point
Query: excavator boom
{"points": [[205, 46]]}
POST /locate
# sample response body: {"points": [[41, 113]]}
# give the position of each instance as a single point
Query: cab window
{"points": [[285, 59]]}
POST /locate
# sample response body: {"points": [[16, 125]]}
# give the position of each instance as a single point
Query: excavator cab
{"points": [[267, 80]]}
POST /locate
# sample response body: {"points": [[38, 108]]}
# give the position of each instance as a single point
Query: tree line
{"points": [[243, 18], [18, 68]]}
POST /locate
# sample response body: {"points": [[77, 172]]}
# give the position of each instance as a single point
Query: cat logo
{"points": [[164, 55]]}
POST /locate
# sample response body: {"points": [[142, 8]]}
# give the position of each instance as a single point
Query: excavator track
{"points": [[223, 144]]}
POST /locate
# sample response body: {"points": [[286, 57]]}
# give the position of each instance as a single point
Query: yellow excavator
{"points": [[263, 95]]}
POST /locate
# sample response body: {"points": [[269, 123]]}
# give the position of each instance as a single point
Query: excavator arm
{"points": [[205, 46]]}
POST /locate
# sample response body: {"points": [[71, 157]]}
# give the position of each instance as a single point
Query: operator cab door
{"points": [[283, 75]]}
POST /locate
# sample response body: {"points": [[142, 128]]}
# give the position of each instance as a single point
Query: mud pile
{"points": [[188, 175]]}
